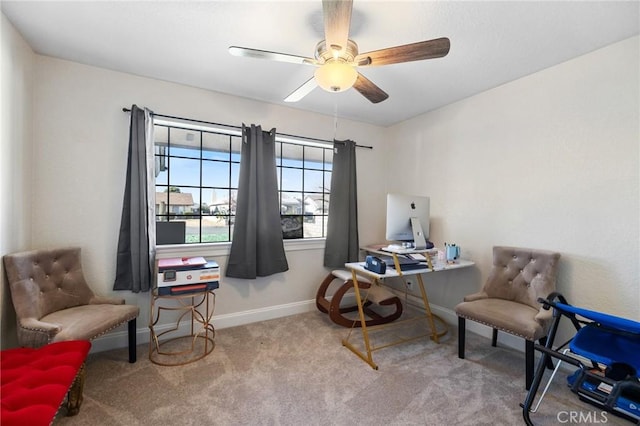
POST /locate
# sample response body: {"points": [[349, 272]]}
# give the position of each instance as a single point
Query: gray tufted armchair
{"points": [[53, 301], [509, 299]]}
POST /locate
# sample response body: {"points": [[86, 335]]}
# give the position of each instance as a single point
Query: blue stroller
{"points": [[606, 350]]}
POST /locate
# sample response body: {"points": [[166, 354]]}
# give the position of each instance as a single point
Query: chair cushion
{"points": [[345, 276], [380, 295], [87, 322], [45, 281], [34, 382], [512, 317], [522, 275]]}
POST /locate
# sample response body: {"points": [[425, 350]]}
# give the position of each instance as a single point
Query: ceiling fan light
{"points": [[336, 76]]}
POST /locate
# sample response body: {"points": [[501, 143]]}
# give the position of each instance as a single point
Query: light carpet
{"points": [[295, 371]]}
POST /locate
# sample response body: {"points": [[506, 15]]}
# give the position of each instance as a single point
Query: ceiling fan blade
{"points": [[302, 91], [337, 19], [369, 90], [429, 49], [274, 56]]}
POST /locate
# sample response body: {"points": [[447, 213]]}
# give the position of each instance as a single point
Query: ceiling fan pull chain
{"points": [[335, 120]]}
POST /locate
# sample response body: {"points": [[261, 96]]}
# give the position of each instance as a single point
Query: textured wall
{"points": [[547, 161], [15, 157], [81, 137]]}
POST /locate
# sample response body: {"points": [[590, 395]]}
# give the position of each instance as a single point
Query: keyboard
{"points": [[395, 248]]}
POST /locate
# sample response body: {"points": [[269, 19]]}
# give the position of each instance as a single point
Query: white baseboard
{"points": [[263, 314], [119, 339]]}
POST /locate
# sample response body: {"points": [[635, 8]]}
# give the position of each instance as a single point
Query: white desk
{"points": [[357, 269]]}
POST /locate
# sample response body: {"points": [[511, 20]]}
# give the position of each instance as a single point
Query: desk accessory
{"points": [[452, 252], [375, 264]]}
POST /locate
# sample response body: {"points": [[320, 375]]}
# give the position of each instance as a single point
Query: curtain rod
{"points": [[240, 128]]}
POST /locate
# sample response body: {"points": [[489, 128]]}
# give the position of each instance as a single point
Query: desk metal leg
{"points": [[363, 323], [368, 357], [427, 308]]}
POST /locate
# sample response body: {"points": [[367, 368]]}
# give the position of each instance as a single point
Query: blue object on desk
{"points": [[375, 264], [405, 263]]}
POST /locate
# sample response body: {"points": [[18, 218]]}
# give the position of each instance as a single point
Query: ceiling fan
{"points": [[337, 57]]}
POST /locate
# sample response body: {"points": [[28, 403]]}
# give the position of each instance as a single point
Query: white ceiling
{"points": [[186, 42]]}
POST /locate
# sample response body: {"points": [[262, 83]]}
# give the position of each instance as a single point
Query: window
{"points": [[197, 170]]}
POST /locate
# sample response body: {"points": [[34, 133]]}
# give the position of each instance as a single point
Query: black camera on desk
{"points": [[375, 264]]}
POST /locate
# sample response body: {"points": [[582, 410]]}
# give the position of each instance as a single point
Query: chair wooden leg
{"points": [[132, 340], [494, 338], [461, 336], [529, 363], [74, 397]]}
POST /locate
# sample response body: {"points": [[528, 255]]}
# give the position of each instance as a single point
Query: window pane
{"points": [[313, 181], [216, 230], [291, 180], [291, 203], [313, 204], [313, 157], [192, 230], [161, 165], [184, 172], [234, 199], [215, 173], [325, 204], [327, 181], [184, 143], [328, 160], [195, 199], [216, 146], [235, 174], [178, 201], [206, 206], [313, 226], [292, 155], [291, 226], [278, 153], [170, 232], [161, 135], [162, 200], [219, 202], [236, 148]]}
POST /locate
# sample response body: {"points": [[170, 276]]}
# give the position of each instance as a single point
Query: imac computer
{"points": [[408, 219]]}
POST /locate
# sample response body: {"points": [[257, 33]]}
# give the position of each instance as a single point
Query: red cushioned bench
{"points": [[34, 382]]}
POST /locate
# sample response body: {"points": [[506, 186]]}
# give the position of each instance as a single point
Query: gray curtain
{"points": [[136, 242], [342, 226], [257, 248]]}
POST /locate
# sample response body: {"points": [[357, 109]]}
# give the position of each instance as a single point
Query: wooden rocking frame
{"points": [[376, 295]]}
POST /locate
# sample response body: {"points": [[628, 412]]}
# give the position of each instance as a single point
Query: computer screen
{"points": [[402, 209]]}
